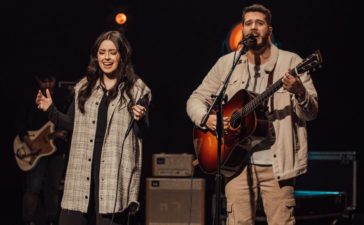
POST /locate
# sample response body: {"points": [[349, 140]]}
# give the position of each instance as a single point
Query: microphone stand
{"points": [[217, 104]]}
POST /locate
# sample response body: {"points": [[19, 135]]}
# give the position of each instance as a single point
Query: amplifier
{"points": [[172, 165], [314, 206], [175, 201], [331, 171]]}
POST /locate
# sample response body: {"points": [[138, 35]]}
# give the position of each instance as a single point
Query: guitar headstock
{"points": [[311, 63]]}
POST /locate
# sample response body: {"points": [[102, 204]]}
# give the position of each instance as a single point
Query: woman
{"points": [[103, 173]]}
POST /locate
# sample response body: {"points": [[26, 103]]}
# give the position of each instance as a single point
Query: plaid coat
{"points": [[78, 176]]}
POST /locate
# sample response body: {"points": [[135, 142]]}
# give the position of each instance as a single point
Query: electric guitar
{"points": [[27, 158], [247, 118]]}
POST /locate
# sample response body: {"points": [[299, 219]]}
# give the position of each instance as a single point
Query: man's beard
{"points": [[254, 46]]}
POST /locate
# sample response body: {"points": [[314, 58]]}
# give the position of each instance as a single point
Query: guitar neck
{"points": [[253, 104]]}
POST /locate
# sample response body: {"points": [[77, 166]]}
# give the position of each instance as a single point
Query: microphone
{"points": [[143, 101], [249, 41]]}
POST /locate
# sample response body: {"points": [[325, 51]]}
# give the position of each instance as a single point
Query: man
{"points": [[282, 154], [43, 178]]}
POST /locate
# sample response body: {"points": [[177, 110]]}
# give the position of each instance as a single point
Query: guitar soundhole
{"points": [[235, 120]]}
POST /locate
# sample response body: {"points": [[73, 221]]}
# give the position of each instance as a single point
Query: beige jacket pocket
{"points": [[230, 214], [290, 203]]}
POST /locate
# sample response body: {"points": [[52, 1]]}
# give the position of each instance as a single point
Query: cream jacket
{"points": [[289, 117]]}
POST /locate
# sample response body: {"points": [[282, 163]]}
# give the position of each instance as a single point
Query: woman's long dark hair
{"points": [[124, 72]]}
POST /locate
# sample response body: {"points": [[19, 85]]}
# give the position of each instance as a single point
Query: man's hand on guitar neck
{"points": [[43, 102], [294, 85], [211, 122]]}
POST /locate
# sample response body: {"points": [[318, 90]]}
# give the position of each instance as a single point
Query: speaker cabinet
{"points": [[175, 201], [331, 171]]}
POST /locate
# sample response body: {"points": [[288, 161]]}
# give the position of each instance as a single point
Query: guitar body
{"points": [[42, 138], [236, 147]]}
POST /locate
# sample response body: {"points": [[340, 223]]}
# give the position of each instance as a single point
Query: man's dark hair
{"points": [[258, 8], [46, 76], [45, 72]]}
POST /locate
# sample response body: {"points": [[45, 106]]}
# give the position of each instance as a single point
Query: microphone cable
{"points": [[143, 101], [191, 195]]}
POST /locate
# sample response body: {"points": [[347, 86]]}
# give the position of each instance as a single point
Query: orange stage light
{"points": [[121, 18]]}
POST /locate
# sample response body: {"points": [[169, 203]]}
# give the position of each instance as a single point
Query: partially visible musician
{"points": [[41, 181], [282, 154]]}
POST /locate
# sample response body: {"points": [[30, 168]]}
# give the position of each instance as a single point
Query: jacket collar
{"points": [[272, 58]]}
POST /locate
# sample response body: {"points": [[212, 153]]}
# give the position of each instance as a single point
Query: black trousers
{"points": [[44, 180], [69, 217]]}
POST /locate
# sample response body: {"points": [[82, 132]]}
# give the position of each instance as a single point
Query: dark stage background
{"points": [[175, 44]]}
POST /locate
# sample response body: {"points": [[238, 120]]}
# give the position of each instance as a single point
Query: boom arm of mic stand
{"points": [[221, 92], [218, 99]]}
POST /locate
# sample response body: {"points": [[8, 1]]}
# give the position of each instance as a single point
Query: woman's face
{"points": [[108, 57]]}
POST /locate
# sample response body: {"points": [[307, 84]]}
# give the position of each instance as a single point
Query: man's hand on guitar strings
{"points": [[211, 122]]}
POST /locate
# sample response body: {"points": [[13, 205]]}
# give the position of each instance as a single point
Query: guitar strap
{"points": [[269, 83], [269, 113], [270, 78]]}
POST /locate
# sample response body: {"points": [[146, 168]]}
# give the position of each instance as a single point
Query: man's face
{"points": [[47, 83], [255, 23]]}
